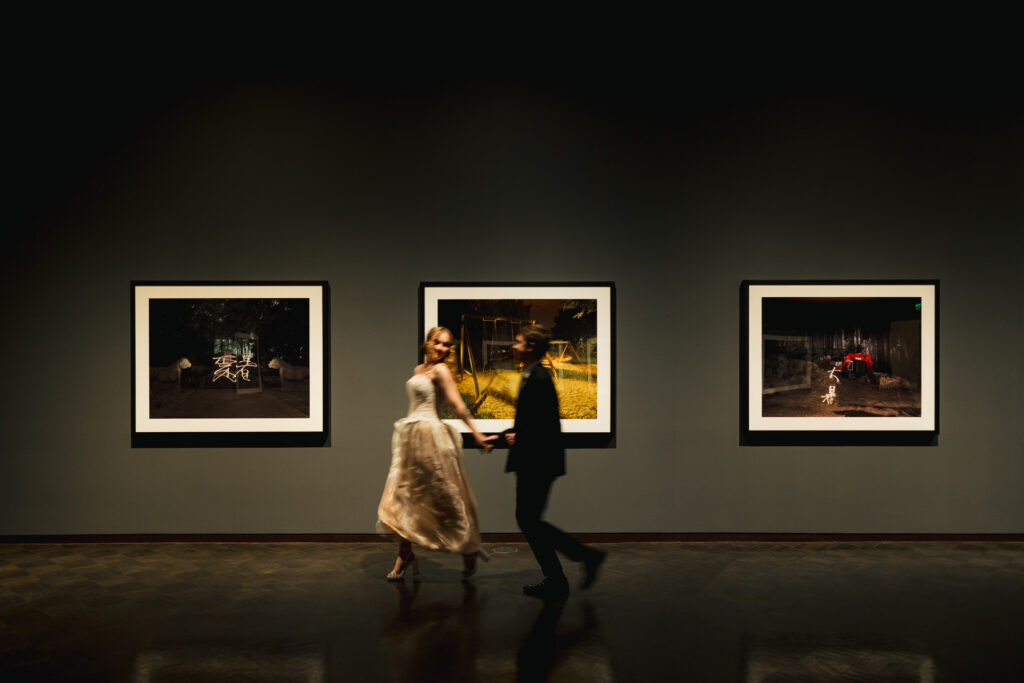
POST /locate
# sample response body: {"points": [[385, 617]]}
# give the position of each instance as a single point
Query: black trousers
{"points": [[532, 493]]}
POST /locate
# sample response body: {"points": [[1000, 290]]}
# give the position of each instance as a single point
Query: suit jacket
{"points": [[538, 449]]}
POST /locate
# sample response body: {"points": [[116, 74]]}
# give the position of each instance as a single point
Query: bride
{"points": [[427, 499]]}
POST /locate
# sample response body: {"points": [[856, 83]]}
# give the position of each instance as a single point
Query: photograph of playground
{"points": [[841, 357], [488, 371], [229, 358]]}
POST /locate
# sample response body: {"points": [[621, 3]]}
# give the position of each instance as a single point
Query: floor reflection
{"points": [[439, 639], [733, 612], [538, 651], [576, 653], [435, 640], [227, 662], [823, 662]]}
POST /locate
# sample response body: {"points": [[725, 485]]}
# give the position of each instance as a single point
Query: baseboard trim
{"points": [[641, 537]]}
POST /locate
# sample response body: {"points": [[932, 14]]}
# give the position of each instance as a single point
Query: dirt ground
{"points": [[854, 398], [577, 395], [224, 403]]}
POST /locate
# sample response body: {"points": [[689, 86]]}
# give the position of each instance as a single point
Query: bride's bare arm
{"points": [[443, 377]]}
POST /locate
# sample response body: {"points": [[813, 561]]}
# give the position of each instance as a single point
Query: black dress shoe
{"points": [[590, 566], [548, 591]]}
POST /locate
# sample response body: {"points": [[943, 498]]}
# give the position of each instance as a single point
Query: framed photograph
{"points": [[484, 319], [839, 363], [229, 364]]}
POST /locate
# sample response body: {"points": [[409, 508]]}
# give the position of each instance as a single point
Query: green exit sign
{"points": [[917, 307]]}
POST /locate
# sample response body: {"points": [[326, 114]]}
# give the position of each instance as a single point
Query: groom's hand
{"points": [[510, 438]]}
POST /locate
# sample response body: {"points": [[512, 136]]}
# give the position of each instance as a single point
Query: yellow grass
{"points": [[577, 397]]}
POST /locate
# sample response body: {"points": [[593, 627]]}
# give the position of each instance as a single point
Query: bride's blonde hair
{"points": [[427, 353]]}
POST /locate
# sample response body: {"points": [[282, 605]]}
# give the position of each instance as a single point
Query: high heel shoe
{"points": [[399, 573]]}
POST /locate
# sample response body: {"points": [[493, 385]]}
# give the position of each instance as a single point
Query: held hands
{"points": [[484, 442]]}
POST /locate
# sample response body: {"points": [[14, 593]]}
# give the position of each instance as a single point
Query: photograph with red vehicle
{"points": [[841, 357]]}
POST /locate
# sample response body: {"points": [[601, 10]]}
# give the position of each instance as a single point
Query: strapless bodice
{"points": [[422, 397]]}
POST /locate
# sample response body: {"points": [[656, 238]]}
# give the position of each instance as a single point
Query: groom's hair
{"points": [[538, 336]]}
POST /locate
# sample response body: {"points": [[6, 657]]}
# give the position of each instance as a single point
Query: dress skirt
{"points": [[427, 499]]}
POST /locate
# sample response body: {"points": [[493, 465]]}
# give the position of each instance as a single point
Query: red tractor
{"points": [[856, 365]]}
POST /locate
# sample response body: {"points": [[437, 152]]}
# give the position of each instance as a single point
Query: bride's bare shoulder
{"points": [[441, 370]]}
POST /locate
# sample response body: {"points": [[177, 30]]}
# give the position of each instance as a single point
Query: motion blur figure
{"points": [[537, 456], [427, 499]]}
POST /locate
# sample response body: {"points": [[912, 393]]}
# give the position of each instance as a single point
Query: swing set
{"points": [[566, 352], [497, 335]]}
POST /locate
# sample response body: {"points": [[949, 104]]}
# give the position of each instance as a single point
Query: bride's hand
{"points": [[484, 442]]}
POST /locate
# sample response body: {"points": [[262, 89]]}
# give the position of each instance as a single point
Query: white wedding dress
{"points": [[427, 499]]}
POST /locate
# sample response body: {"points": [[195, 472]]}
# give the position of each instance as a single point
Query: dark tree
{"points": [[576, 321]]}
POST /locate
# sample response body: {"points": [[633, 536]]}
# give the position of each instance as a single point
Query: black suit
{"points": [[538, 449], [538, 458]]}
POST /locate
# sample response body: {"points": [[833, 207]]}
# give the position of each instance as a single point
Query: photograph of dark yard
{"points": [[229, 358], [488, 371], [841, 357]]}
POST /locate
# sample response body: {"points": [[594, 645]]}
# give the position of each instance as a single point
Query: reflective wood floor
{"points": [[751, 612]]}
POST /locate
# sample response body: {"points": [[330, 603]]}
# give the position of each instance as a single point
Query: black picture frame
{"points": [[266, 385], [803, 319], [439, 303]]}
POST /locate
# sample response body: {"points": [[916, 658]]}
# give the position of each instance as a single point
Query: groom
{"points": [[537, 457]]}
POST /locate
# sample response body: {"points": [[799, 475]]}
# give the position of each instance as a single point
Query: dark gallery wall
{"points": [[676, 186]]}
